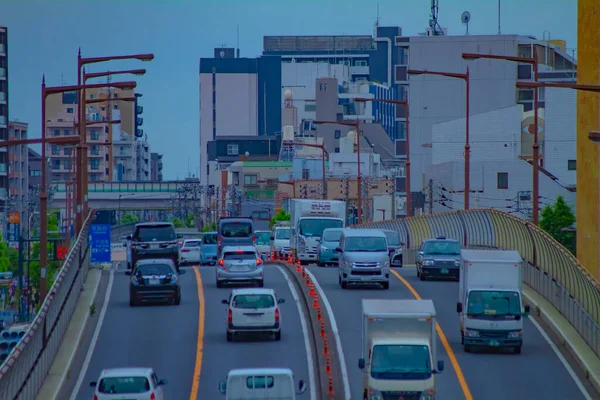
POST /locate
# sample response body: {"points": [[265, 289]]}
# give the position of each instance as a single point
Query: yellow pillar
{"points": [[588, 119]]}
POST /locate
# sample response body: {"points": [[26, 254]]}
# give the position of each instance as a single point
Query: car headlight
{"points": [[386, 264], [174, 279], [429, 262], [134, 280], [515, 334], [375, 394], [398, 251], [457, 263], [471, 333], [324, 248]]}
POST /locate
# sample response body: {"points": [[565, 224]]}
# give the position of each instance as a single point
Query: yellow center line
{"points": [[459, 374], [200, 340]]}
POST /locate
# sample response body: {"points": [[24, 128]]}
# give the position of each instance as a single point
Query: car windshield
{"points": [[236, 229], [494, 305], [191, 243], [366, 244], [332, 236], [240, 255], [282, 234], [393, 238], [400, 362], [441, 247], [315, 227], [160, 233], [209, 238], [124, 385], [154, 269], [253, 301], [263, 238]]}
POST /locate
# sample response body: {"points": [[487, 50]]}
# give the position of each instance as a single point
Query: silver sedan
{"points": [[239, 264]]}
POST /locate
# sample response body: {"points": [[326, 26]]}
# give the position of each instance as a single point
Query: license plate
{"points": [[444, 271], [494, 343], [238, 268], [154, 246], [154, 281]]}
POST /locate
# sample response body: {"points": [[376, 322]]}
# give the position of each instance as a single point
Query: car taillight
{"points": [[152, 396], [258, 262], [229, 316], [277, 314], [254, 238], [221, 263], [95, 397]]}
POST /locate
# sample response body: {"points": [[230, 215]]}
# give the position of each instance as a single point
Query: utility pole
{"points": [[430, 196]]}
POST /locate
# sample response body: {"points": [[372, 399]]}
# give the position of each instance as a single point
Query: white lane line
{"points": [[336, 334], [90, 352], [309, 357], [562, 360]]}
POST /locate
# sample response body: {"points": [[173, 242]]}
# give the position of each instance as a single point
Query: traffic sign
{"points": [[14, 218], [99, 239]]}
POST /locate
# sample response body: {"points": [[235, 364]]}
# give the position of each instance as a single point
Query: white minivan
{"points": [[261, 384]]}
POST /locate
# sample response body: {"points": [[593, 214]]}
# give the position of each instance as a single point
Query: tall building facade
{"points": [[156, 167], [34, 161], [3, 121], [18, 168], [142, 159]]}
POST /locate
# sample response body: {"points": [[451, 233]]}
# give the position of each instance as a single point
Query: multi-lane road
{"points": [[188, 341]]}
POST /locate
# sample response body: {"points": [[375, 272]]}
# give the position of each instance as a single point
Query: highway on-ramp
{"points": [[180, 345], [537, 373]]}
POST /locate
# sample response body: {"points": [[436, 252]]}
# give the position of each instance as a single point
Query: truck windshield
{"points": [[396, 362], [365, 244], [236, 230], [442, 248], [392, 238], [332, 236], [494, 305], [263, 238], [282, 234], [315, 227]]}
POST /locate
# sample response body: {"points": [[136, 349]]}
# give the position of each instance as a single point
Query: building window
{"points": [[95, 164], [250, 180], [55, 164], [55, 150], [338, 133], [305, 174], [70, 110], [360, 63], [525, 95], [68, 151], [572, 165], [337, 150], [95, 135], [56, 132], [95, 150], [310, 107], [502, 180], [524, 71], [232, 149]]}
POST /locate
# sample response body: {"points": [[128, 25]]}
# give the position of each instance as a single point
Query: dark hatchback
{"points": [[394, 247], [152, 240], [439, 258], [154, 281]]}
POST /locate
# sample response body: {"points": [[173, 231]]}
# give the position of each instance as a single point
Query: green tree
{"points": [[190, 221], [129, 219], [53, 266], [210, 227], [281, 216], [556, 221], [5, 261], [178, 223]]}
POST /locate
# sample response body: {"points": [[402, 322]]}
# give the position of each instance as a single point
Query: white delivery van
{"points": [[261, 384]]}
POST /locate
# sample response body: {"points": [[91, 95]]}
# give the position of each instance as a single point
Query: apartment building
{"points": [[3, 120], [18, 168], [156, 167], [142, 160], [34, 161]]}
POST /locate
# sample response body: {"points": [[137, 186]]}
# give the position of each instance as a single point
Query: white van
{"points": [[261, 384]]}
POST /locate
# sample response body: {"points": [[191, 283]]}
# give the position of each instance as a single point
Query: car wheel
{"points": [[132, 302], [401, 262], [344, 285], [278, 335], [517, 350], [385, 285], [219, 284], [418, 273], [339, 280], [230, 336], [422, 277], [261, 283], [468, 348], [178, 300], [320, 264]]}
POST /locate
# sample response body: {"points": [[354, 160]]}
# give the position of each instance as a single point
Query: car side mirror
{"points": [[280, 301], [459, 308], [421, 253], [361, 363], [339, 250], [272, 237], [440, 366], [162, 382], [129, 237], [225, 302], [301, 386], [93, 384], [128, 272], [223, 387], [182, 272]]}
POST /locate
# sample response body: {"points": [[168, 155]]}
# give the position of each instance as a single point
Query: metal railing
{"points": [[551, 270], [23, 372]]}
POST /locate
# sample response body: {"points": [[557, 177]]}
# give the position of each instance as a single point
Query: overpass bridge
{"points": [[551, 273]]}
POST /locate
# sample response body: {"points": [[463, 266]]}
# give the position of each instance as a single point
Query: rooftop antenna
{"points": [[238, 42], [465, 18], [436, 29], [499, 31]]}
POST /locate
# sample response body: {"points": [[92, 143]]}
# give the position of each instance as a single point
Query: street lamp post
{"points": [[536, 145], [324, 152], [407, 163], [355, 125], [466, 78]]}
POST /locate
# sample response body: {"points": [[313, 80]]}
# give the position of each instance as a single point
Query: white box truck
{"points": [[309, 218], [489, 299], [399, 356]]}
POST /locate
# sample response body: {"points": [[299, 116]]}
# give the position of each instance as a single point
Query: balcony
{"points": [[2, 120], [2, 73], [3, 97], [2, 48]]}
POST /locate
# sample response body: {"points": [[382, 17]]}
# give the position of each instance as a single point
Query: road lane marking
{"points": [[336, 335], [200, 340], [90, 352], [562, 360], [444, 340], [309, 357]]}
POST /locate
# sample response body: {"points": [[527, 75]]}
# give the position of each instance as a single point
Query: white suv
{"points": [[253, 311], [128, 383]]}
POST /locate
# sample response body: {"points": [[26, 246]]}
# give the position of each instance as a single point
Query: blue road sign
{"points": [[100, 243]]}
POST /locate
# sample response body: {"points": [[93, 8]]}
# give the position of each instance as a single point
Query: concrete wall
{"points": [[560, 134]]}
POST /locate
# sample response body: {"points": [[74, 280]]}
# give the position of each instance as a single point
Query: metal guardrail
{"points": [[551, 270], [23, 372], [118, 230]]}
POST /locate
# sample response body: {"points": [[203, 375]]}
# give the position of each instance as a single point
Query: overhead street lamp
{"points": [[536, 145], [355, 125], [407, 163], [324, 152], [465, 77]]}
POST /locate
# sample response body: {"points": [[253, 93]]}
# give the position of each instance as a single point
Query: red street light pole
{"points": [[466, 78], [536, 143], [407, 163], [356, 125], [322, 147]]}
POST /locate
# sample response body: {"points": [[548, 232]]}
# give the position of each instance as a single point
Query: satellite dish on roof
{"points": [[465, 18]]}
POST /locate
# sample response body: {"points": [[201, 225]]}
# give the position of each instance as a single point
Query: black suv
{"points": [[154, 240], [439, 258]]}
